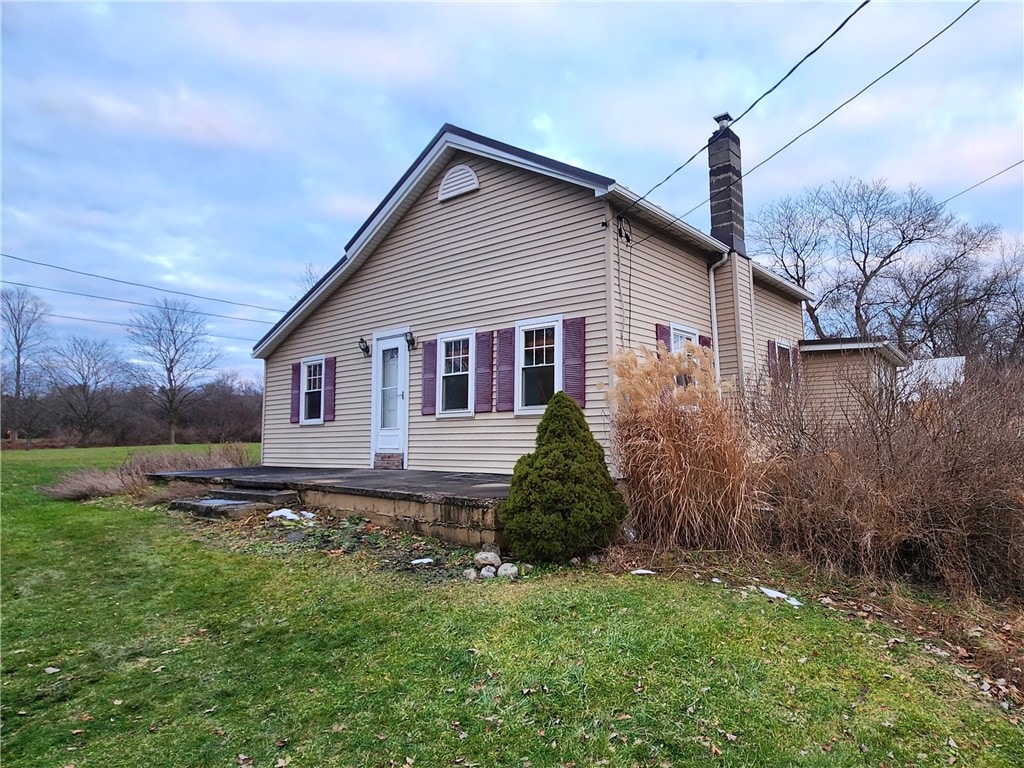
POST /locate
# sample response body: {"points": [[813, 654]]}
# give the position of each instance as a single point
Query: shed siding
{"points": [[522, 246], [832, 382]]}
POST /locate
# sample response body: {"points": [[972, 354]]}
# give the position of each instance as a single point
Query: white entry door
{"points": [[390, 401]]}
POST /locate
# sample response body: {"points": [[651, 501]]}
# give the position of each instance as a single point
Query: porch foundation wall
{"points": [[459, 523]]}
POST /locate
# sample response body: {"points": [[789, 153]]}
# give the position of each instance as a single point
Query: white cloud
{"points": [[345, 206], [180, 114]]}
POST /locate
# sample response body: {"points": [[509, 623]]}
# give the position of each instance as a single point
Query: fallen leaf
{"points": [[77, 731], [243, 759], [714, 750], [282, 762], [118, 702], [211, 710], [338, 728], [52, 670]]}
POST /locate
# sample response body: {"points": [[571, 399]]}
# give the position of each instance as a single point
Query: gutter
{"points": [[714, 309]]}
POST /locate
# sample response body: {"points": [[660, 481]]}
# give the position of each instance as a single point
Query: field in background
{"points": [[131, 637]]}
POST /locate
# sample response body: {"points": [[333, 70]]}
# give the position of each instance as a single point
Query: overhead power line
{"points": [[135, 303], [139, 285], [122, 325], [983, 181], [803, 133], [756, 101]]}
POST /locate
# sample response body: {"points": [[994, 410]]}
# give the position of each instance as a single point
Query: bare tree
{"points": [[24, 335], [310, 276], [84, 376], [172, 344], [879, 261]]}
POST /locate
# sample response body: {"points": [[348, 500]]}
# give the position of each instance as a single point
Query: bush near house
{"points": [[927, 485], [562, 500]]}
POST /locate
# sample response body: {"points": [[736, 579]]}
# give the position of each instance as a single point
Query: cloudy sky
{"points": [[217, 148]]}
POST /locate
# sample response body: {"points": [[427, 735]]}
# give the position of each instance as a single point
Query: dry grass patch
{"points": [[131, 477]]}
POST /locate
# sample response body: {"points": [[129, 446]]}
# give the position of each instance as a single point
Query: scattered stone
{"points": [[508, 571], [485, 558], [295, 536], [471, 574], [488, 572], [491, 548], [575, 562], [642, 572], [715, 580], [52, 670], [525, 568], [284, 514], [593, 559], [423, 561]]}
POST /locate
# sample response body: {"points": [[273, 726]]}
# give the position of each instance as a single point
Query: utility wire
{"points": [[139, 285], [983, 181], [800, 135], [122, 325], [135, 303], [757, 101]]}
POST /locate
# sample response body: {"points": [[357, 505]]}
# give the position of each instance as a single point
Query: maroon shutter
{"points": [[428, 381], [506, 369], [773, 359], [484, 371], [663, 333], [296, 391], [330, 365], [574, 359], [704, 341], [794, 361]]}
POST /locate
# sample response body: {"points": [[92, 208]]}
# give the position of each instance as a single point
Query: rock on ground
{"points": [[483, 559], [508, 571], [488, 572], [471, 574]]}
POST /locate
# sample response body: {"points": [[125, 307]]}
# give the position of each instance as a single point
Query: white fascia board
{"points": [[467, 145], [885, 348], [765, 275], [667, 220]]}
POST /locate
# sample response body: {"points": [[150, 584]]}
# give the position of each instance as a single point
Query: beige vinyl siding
{"points": [[668, 284], [725, 304], [777, 318], [830, 382], [744, 293], [522, 246]]}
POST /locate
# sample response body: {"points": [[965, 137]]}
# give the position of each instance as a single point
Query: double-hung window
{"points": [[456, 364], [682, 334], [312, 396], [538, 362], [785, 372]]}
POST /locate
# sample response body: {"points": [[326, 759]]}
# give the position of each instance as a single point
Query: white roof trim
{"points": [[672, 223], [886, 348], [764, 275]]}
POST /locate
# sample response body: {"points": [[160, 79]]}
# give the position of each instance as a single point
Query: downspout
{"points": [[714, 310]]}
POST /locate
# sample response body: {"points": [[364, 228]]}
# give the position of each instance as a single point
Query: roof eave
{"points": [[769, 278], [662, 218], [886, 348]]}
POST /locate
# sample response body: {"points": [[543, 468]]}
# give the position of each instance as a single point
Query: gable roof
{"points": [[424, 169]]}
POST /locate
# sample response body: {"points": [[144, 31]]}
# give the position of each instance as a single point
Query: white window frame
{"points": [[530, 325], [684, 330], [303, 380], [469, 333], [785, 347]]}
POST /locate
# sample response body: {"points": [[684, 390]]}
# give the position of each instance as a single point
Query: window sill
{"points": [[455, 415], [314, 423]]}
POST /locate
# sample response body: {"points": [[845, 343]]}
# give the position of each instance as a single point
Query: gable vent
{"points": [[459, 180]]}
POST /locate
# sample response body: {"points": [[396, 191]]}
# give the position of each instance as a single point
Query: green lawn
{"points": [[173, 652]]}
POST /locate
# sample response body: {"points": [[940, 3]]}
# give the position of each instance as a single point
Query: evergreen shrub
{"points": [[562, 501]]}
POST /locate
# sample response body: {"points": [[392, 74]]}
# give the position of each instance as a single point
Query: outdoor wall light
{"points": [[410, 340], [364, 347]]}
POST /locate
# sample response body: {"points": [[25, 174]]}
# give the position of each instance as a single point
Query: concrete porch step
{"points": [[277, 497], [219, 508]]}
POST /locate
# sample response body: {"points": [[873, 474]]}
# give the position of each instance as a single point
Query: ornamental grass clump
{"points": [[562, 500], [689, 470]]}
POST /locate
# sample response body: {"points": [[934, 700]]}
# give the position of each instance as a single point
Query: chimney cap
{"points": [[723, 120]]}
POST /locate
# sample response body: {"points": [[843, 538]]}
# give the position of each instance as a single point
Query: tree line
{"points": [[882, 262], [83, 391]]}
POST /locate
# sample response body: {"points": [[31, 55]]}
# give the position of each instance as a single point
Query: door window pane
{"points": [[389, 388]]}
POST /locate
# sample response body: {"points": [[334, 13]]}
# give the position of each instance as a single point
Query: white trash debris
{"points": [[285, 514], [423, 561], [642, 572], [307, 515], [774, 594], [716, 580]]}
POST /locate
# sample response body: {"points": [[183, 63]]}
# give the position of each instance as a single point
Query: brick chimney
{"points": [[726, 186]]}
